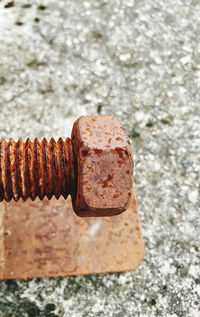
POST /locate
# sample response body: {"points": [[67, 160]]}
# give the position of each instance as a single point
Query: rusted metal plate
{"points": [[47, 239]]}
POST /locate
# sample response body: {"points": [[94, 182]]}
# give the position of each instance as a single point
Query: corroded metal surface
{"points": [[46, 239], [96, 167], [105, 166], [31, 169]]}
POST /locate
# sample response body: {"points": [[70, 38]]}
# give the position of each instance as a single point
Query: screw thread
{"points": [[36, 169]]}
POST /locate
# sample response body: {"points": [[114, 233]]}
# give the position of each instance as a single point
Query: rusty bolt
{"points": [[95, 167]]}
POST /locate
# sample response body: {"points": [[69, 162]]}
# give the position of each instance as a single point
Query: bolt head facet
{"points": [[104, 166]]}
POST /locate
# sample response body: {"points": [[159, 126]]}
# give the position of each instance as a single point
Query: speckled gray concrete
{"points": [[138, 60]]}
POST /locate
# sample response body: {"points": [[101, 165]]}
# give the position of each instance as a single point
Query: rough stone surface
{"points": [[140, 61]]}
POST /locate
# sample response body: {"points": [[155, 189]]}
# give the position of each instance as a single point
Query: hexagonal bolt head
{"points": [[104, 166]]}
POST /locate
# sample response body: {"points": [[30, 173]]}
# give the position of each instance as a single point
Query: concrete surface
{"points": [[138, 60]]}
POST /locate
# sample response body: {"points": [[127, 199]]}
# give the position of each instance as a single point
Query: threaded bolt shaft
{"points": [[31, 169]]}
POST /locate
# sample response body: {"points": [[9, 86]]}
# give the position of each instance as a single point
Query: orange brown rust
{"points": [[46, 239], [95, 168], [105, 166], [36, 168]]}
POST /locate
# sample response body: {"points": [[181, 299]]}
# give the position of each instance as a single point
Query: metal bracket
{"points": [[47, 239]]}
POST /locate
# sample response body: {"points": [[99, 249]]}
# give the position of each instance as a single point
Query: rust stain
{"points": [[76, 246], [108, 167], [31, 169], [106, 181], [2, 235]]}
